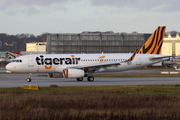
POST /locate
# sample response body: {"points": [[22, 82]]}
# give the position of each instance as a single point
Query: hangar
{"points": [[94, 42], [171, 44]]}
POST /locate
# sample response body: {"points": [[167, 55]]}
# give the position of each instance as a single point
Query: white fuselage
{"points": [[48, 63]]}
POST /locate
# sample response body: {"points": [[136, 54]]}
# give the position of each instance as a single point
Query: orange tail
{"points": [[154, 43]]}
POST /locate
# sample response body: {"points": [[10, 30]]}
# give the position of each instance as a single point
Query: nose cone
{"points": [[8, 67]]}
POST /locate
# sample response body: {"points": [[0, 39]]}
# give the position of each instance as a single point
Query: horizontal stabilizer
{"points": [[159, 57]]}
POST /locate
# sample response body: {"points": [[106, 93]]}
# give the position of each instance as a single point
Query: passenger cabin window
{"points": [[18, 60]]}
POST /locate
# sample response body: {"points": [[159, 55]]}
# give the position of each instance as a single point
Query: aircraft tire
{"points": [[28, 79], [90, 78], [80, 79]]}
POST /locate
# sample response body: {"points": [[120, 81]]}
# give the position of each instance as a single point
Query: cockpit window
{"points": [[17, 60]]}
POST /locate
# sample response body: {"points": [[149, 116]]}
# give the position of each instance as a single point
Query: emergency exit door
{"points": [[138, 59], [30, 62]]}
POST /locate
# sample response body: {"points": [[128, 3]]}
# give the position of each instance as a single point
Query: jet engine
{"points": [[73, 73]]}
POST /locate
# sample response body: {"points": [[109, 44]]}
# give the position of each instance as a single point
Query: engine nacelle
{"points": [[73, 73], [55, 75]]}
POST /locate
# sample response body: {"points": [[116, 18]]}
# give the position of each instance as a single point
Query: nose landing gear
{"points": [[29, 77]]}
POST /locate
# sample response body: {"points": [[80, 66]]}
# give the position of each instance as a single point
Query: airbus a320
{"points": [[78, 66]]}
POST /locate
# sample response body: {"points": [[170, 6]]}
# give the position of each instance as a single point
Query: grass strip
{"points": [[130, 102]]}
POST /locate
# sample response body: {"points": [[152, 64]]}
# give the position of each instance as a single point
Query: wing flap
{"points": [[98, 65]]}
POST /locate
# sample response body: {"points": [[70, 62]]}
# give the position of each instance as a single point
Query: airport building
{"points": [[3, 55], [38, 47], [6, 57], [171, 44], [94, 42], [0, 45]]}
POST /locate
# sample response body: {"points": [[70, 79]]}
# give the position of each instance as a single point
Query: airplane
{"points": [[78, 66]]}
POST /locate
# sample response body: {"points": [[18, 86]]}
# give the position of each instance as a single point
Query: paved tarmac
{"points": [[18, 80]]}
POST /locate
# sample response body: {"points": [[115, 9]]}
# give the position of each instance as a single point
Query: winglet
{"points": [[132, 57], [154, 43]]}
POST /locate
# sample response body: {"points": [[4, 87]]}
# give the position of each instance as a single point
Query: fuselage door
{"points": [[30, 62], [138, 59]]}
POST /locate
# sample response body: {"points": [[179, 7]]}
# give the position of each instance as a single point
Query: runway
{"points": [[18, 80]]}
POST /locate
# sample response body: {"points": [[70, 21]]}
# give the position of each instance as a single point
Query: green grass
{"points": [[130, 102], [125, 89]]}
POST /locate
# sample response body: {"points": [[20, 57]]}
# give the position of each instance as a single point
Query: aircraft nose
{"points": [[8, 67]]}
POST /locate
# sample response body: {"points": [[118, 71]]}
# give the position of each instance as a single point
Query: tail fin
{"points": [[154, 43]]}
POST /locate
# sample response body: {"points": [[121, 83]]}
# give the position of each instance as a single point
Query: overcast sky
{"points": [[74, 16]]}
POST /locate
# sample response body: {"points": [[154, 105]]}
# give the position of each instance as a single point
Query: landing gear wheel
{"points": [[90, 78], [28, 79], [80, 79]]}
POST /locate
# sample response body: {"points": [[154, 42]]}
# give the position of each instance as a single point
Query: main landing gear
{"points": [[80, 79], [89, 78]]}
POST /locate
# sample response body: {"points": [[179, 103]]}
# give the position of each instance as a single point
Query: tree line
{"points": [[18, 42]]}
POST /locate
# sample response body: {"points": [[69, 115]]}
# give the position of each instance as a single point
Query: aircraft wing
{"points": [[97, 66]]}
